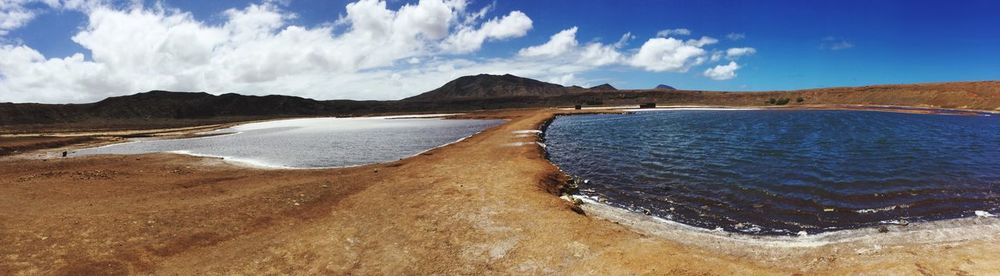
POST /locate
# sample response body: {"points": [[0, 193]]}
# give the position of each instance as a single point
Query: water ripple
{"points": [[781, 172]]}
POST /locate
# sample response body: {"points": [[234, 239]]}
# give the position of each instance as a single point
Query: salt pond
{"points": [[314, 142]]}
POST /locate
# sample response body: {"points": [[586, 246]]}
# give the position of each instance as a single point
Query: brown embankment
{"points": [[475, 207], [983, 95]]}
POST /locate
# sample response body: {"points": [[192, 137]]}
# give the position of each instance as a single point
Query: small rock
{"points": [[883, 229]]}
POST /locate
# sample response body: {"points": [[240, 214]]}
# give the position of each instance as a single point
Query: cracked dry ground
{"points": [[479, 206]]}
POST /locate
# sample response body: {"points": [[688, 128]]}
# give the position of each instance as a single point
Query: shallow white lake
{"points": [[314, 142]]}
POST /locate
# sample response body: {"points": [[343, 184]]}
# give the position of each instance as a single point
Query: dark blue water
{"points": [[316, 142], [781, 172]]}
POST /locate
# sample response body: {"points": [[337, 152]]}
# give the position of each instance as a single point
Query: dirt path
{"points": [[478, 206]]}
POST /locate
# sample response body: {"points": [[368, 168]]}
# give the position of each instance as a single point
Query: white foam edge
{"points": [[527, 131], [949, 230], [244, 162]]}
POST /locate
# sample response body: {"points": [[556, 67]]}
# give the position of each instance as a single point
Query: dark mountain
{"points": [[486, 86], [164, 104], [664, 87], [604, 87], [163, 109]]}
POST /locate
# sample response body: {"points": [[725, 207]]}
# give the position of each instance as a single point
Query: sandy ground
{"points": [[481, 206]]}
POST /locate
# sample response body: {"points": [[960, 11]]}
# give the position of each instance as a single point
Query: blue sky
{"points": [[795, 45]]}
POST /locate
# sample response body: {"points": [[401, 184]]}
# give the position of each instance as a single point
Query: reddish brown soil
{"points": [[479, 206]]}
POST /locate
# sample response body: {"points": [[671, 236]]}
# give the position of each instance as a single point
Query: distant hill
{"points": [[164, 104], [485, 86], [664, 87], [604, 87], [165, 108], [159, 109]]}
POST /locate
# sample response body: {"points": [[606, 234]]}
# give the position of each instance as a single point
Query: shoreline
{"points": [[477, 206], [209, 132], [932, 231], [953, 228]]}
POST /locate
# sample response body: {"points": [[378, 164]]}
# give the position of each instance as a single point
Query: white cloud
{"points": [[469, 39], [370, 52], [558, 44], [656, 54], [14, 14], [567, 79], [667, 55], [738, 52], [597, 54], [722, 72], [716, 56], [622, 42], [702, 42], [736, 36], [673, 32], [255, 50], [563, 48]]}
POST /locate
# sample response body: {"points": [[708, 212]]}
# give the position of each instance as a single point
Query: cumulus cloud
{"points": [[738, 52], [702, 42], [673, 32], [469, 39], [13, 15], [255, 49], [16, 13], [558, 44], [370, 52], [656, 54], [722, 72], [716, 55], [670, 54], [564, 49]]}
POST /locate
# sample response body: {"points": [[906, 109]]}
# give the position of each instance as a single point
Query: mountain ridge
{"points": [[485, 86], [157, 108]]}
